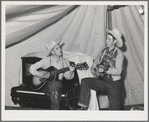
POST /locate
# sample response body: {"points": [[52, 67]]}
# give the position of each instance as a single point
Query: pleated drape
{"points": [[23, 27], [81, 28], [128, 20]]}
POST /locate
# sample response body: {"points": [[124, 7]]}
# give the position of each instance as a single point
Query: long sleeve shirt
{"points": [[114, 71], [50, 61]]}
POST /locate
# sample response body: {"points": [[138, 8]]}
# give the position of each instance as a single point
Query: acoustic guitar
{"points": [[38, 83]]}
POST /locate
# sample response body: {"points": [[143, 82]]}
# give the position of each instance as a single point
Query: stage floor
{"points": [[27, 108]]}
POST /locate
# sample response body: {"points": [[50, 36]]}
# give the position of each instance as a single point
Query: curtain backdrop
{"points": [[128, 20], [82, 29], [33, 21]]}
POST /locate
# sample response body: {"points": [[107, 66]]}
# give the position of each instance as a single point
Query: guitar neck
{"points": [[60, 71], [81, 66]]}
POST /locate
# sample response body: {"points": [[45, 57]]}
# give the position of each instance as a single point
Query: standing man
{"points": [[54, 58], [107, 68]]}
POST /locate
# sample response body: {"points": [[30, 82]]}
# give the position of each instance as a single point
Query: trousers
{"points": [[113, 89], [53, 90]]}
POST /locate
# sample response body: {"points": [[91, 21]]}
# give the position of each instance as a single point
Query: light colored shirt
{"points": [[50, 61]]}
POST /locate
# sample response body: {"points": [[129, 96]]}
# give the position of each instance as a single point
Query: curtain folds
{"points": [[35, 23], [131, 24], [81, 28]]}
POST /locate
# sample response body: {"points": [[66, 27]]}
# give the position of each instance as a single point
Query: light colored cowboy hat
{"points": [[50, 46], [117, 34]]}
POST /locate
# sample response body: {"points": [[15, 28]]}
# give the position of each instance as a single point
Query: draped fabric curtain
{"points": [[82, 29], [21, 27], [85, 26], [128, 20]]}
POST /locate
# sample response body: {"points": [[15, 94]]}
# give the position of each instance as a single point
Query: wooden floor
{"points": [[26, 108]]}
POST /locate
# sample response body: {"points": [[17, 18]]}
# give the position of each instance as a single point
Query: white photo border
{"points": [[42, 115]]}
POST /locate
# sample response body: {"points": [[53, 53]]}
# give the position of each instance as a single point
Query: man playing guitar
{"points": [[54, 58], [106, 69]]}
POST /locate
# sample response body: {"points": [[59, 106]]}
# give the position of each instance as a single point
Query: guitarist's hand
{"points": [[101, 70], [93, 72], [61, 75], [47, 75], [71, 68]]}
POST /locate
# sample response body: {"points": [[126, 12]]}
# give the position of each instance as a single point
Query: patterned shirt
{"points": [[116, 64], [109, 57]]}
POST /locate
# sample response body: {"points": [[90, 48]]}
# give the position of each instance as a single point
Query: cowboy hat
{"points": [[50, 46], [117, 34]]}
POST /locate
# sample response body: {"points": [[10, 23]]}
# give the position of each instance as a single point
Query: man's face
{"points": [[57, 51], [110, 41]]}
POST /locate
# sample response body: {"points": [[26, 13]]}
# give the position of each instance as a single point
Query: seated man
{"points": [[54, 58], [107, 68]]}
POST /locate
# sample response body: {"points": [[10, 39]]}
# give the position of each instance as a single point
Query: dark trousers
{"points": [[53, 90], [113, 89]]}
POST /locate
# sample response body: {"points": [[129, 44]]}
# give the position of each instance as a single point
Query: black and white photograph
{"points": [[78, 60]]}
